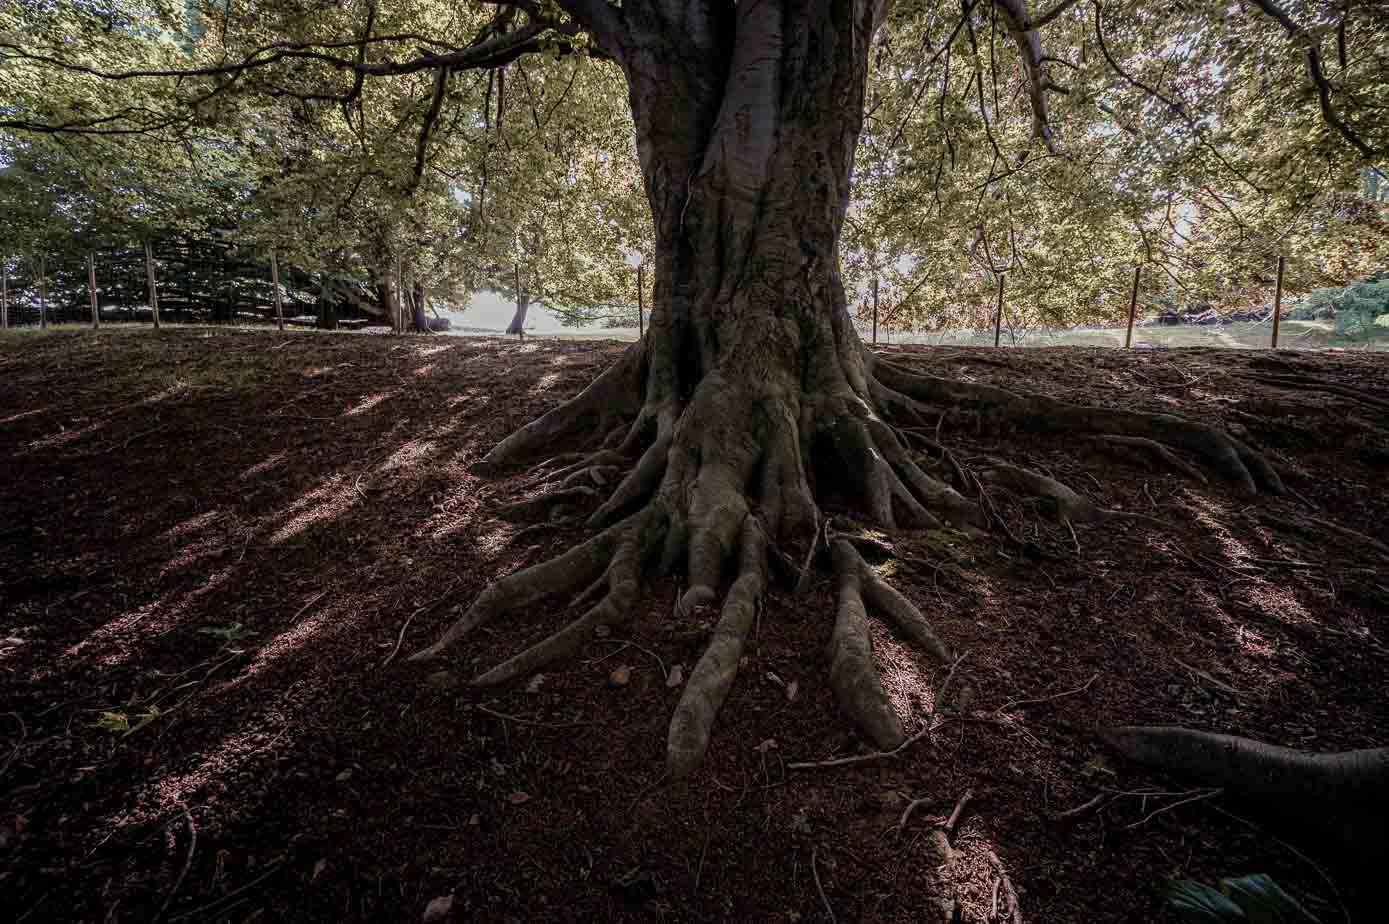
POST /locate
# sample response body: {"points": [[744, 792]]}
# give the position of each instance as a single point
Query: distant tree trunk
{"points": [[275, 281], [418, 319], [91, 290], [153, 284], [327, 308], [43, 292], [4, 294], [523, 304]]}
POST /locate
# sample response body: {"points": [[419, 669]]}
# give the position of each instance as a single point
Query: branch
{"points": [[1029, 41], [1311, 52], [436, 104], [1175, 105]]}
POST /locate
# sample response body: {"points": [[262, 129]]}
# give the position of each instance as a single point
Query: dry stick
{"points": [[1207, 794], [1014, 908], [862, 758], [944, 688], [1046, 699], [1209, 679], [226, 900], [524, 721], [954, 819], [275, 281], [187, 864], [820, 888], [1083, 808], [23, 736], [912, 807], [1277, 301], [1133, 306]]}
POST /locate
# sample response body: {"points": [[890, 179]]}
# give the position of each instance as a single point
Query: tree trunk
{"points": [[523, 304], [43, 292], [91, 290], [751, 397], [419, 320], [153, 285], [327, 308], [275, 281]]}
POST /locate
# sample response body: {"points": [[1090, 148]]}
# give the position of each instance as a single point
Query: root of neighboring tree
{"points": [[1339, 800], [1308, 383], [715, 479]]}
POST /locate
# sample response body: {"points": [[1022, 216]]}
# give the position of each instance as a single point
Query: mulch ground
{"points": [[212, 541]]}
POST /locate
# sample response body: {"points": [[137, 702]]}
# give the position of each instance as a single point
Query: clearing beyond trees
{"points": [[222, 547]]}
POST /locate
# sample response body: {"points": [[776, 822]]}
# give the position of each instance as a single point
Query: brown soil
{"points": [[236, 528]]}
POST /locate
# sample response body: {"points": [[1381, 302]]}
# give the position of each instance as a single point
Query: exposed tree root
{"points": [[711, 678], [1341, 800], [1160, 451], [1231, 458], [550, 502], [853, 677], [706, 479], [1069, 505], [1309, 383]]}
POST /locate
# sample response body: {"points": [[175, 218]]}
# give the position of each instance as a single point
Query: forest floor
{"points": [[212, 543]]}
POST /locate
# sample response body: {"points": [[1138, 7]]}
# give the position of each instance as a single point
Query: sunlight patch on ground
{"points": [[908, 688], [191, 525], [117, 642], [426, 369], [366, 404], [326, 502], [265, 465], [545, 382], [436, 350], [411, 455], [63, 437]]}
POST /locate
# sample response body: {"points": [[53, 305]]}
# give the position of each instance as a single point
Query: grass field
{"points": [[1293, 335]]}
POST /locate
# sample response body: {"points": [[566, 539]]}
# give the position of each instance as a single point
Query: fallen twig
{"points": [[401, 637], [1084, 808], [187, 864], [820, 888], [23, 737], [520, 720], [863, 758], [1046, 699], [1015, 910], [1204, 794], [912, 807], [954, 818]]}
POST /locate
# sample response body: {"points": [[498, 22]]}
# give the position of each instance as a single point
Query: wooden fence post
{"points": [[91, 290], [875, 310], [641, 300], [1133, 306], [153, 284], [1277, 302], [43, 291], [275, 281], [998, 315]]}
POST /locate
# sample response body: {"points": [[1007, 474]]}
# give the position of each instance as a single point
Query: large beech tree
{"points": [[711, 445]]}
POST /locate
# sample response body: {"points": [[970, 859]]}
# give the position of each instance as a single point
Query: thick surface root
{"points": [[1340, 800], [712, 677], [1233, 460], [853, 677]]}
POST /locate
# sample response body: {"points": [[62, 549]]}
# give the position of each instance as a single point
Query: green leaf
{"points": [[1265, 902], [1198, 903]]}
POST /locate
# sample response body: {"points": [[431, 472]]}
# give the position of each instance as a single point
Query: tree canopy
{"points": [[475, 143]]}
